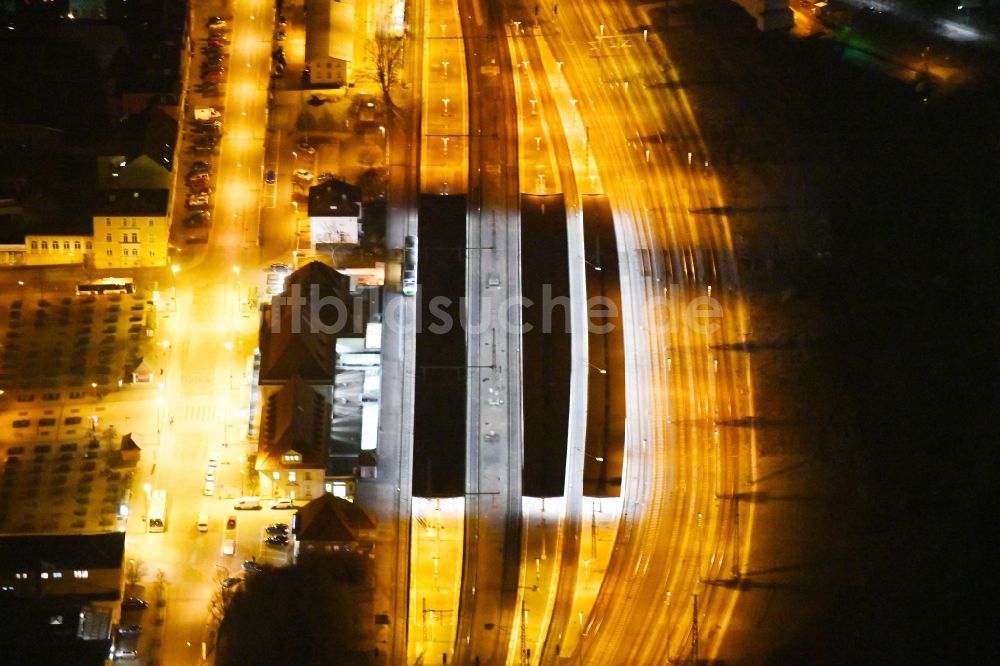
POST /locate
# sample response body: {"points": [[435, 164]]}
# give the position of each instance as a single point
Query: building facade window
{"points": [[81, 573], [109, 252], [34, 245], [76, 245], [135, 253], [45, 245], [124, 238], [90, 245], [108, 221], [291, 477], [66, 246], [135, 238], [108, 238]]}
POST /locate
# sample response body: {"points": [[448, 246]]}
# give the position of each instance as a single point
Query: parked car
{"points": [[278, 540], [247, 503], [217, 41], [195, 176], [206, 87], [215, 23], [269, 177], [198, 201], [200, 166], [231, 523], [306, 148], [198, 183], [232, 581], [228, 546], [304, 175], [134, 603], [251, 566], [279, 35], [283, 503], [205, 141], [212, 77], [198, 219], [213, 461], [277, 528], [281, 20], [209, 486], [280, 268]]}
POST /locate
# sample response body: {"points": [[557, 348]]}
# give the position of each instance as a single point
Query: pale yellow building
{"points": [[131, 228], [51, 250]]}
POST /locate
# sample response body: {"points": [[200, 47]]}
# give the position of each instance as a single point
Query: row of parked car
{"points": [[214, 55], [199, 197]]}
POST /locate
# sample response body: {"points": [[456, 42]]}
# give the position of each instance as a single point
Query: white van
{"points": [[228, 546], [202, 522], [245, 503]]}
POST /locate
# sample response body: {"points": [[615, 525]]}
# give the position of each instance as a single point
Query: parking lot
{"points": [[72, 347], [66, 487]]}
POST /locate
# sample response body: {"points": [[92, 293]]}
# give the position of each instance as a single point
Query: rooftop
{"points": [[131, 202]]}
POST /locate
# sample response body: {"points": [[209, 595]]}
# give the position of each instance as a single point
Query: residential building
{"points": [[334, 211], [291, 451], [142, 154], [54, 249], [329, 42], [59, 596], [53, 228], [131, 228], [330, 524]]}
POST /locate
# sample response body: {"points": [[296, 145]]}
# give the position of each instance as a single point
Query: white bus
{"points": [[109, 285], [157, 519]]}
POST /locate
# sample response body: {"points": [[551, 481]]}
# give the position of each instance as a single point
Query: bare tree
{"points": [[385, 53]]}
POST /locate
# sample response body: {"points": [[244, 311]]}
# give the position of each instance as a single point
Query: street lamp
{"points": [[243, 473], [174, 269], [148, 488], [239, 305], [444, 63], [600, 370], [668, 626], [159, 418]]}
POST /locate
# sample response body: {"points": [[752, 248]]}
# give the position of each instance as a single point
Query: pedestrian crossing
{"points": [[199, 410]]}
